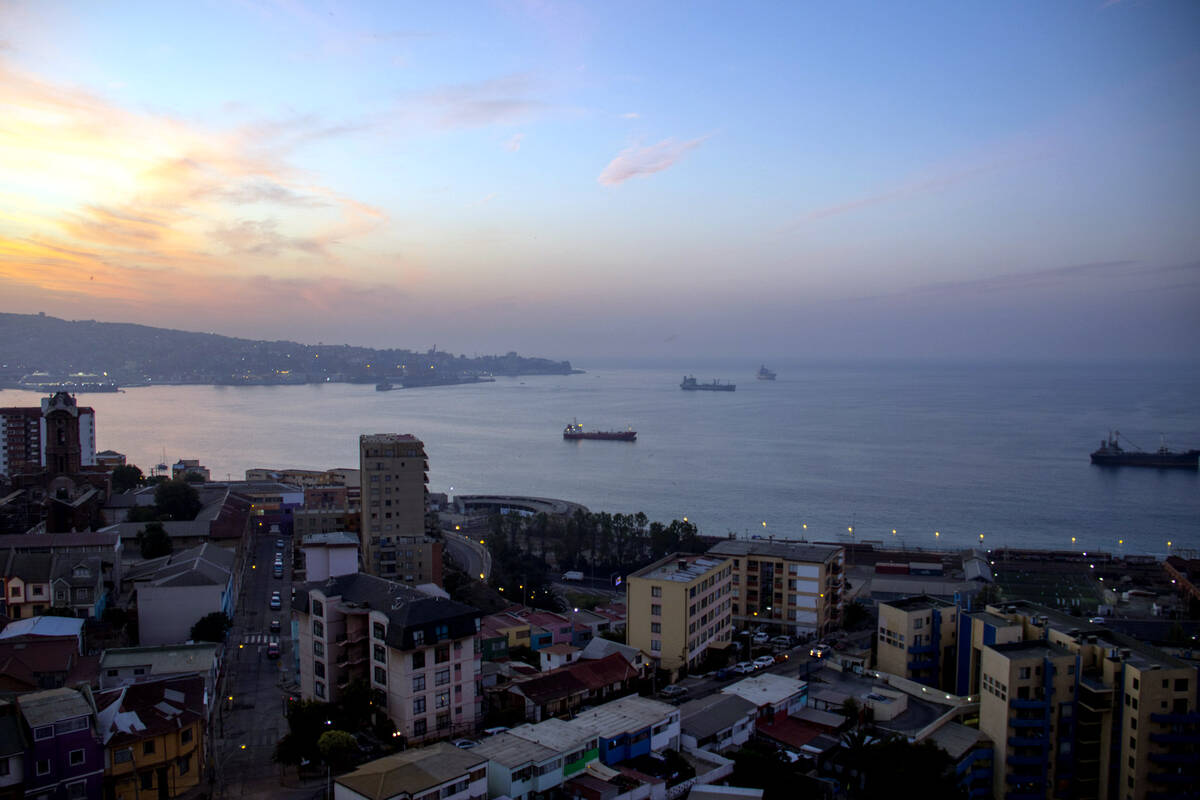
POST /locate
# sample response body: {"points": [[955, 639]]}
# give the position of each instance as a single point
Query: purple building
{"points": [[64, 759]]}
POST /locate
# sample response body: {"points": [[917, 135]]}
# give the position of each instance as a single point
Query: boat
{"points": [[765, 374], [575, 431], [1111, 454], [384, 387], [690, 384]]}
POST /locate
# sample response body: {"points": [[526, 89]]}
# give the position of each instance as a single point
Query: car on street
{"points": [[763, 661], [273, 650], [275, 625], [279, 543], [723, 673], [464, 744], [782, 641], [761, 638], [674, 691], [781, 658], [276, 603], [744, 667], [820, 650]]}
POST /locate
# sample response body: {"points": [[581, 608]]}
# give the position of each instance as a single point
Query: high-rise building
{"points": [[785, 587], [916, 640], [679, 607], [395, 541], [59, 436], [419, 654]]}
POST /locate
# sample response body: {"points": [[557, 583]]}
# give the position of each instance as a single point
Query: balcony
{"points": [[916, 666], [1024, 779], [1173, 758], [1017, 702], [1190, 718], [1175, 738], [1172, 777], [1018, 722], [923, 648], [1026, 761]]}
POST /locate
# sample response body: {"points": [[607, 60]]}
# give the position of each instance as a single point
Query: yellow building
{"points": [[785, 587], [916, 640], [153, 737], [395, 495], [679, 607]]}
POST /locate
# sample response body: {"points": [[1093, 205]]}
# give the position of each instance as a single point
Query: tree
{"points": [[211, 627], [854, 615], [126, 477], [59, 611], [177, 500], [337, 749], [287, 751], [154, 541]]}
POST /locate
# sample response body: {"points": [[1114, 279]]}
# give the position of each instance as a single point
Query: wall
{"points": [[166, 614]]}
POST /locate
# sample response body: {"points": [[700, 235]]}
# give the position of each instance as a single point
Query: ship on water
{"points": [[765, 374], [575, 432], [690, 384], [1111, 454]]}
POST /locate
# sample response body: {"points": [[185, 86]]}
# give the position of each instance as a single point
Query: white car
{"points": [[761, 638], [820, 651], [744, 667], [762, 662]]}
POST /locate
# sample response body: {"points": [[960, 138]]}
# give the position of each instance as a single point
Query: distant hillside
{"points": [[134, 355]]}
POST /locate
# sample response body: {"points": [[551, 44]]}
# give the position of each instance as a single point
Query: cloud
{"points": [[631, 115], [514, 142], [634, 162], [502, 100]]}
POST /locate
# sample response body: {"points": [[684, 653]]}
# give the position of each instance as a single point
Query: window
{"points": [[43, 766], [77, 790], [1023, 673], [123, 756], [44, 732], [380, 675], [655, 610], [656, 645], [319, 689], [656, 591], [148, 747], [319, 669], [184, 764], [380, 653], [418, 705], [112, 673], [419, 728], [318, 610], [441, 654], [418, 683], [1181, 684], [318, 649], [4, 768], [418, 660], [656, 627], [441, 700], [76, 757], [443, 721], [418, 638], [318, 628], [147, 780], [441, 677], [185, 736], [378, 631], [441, 632]]}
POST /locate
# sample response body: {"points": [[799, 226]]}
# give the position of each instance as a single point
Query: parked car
{"points": [[273, 650], [464, 744], [275, 625], [782, 641], [820, 650], [279, 543], [781, 657], [276, 603], [673, 691], [761, 638], [723, 673], [744, 667], [763, 661]]}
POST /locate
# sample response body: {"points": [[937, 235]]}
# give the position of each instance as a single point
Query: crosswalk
{"points": [[259, 638]]}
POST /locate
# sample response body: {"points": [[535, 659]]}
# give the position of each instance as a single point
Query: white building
{"points": [[439, 772], [329, 555], [173, 592]]}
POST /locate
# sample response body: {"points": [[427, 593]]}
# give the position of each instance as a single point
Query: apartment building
{"points": [[1075, 709], [917, 640], [395, 495], [63, 756], [419, 654], [785, 587], [440, 772], [679, 607], [69, 428]]}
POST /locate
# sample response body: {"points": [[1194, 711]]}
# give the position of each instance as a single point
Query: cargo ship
{"points": [[690, 384], [1111, 454], [575, 431], [765, 374]]}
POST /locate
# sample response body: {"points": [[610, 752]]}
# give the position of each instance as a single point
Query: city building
{"points": [[12, 754], [679, 607], [917, 640], [518, 767], [717, 722], [419, 654], [630, 727], [35, 582], [438, 772], [785, 587], [63, 755], [69, 429], [599, 648], [775, 696], [110, 459], [122, 666], [153, 735], [190, 469], [577, 745], [396, 541], [224, 519], [30, 663], [172, 593], [567, 689], [329, 554]]}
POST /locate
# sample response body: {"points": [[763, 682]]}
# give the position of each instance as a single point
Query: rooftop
{"points": [[513, 751], [335, 539], [706, 716], [957, 739], [681, 567], [765, 689], [412, 771], [148, 709], [626, 715], [43, 626], [1031, 647], [554, 733], [163, 659], [52, 705], [776, 548], [919, 602]]}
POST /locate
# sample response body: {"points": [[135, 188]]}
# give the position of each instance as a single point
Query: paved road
{"points": [[248, 727], [473, 557]]}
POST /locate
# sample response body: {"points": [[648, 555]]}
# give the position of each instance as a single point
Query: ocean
{"points": [[937, 453]]}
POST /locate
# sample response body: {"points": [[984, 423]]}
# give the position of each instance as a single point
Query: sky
{"points": [[610, 179]]}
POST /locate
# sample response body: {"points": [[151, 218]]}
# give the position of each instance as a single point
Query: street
{"points": [[248, 725]]}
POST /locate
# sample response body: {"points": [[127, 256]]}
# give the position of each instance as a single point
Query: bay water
{"points": [[939, 453]]}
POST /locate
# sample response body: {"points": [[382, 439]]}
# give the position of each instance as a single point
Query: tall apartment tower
{"points": [[60, 436], [395, 543]]}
